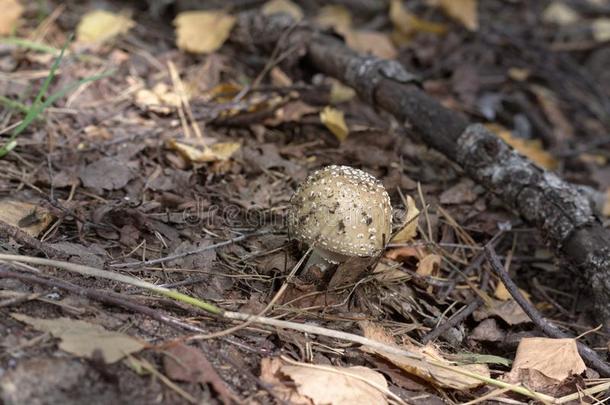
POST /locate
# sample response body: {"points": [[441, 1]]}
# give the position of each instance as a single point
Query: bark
{"points": [[564, 216]]}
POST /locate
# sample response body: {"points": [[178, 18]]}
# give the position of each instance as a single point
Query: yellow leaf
{"points": [[408, 24], [101, 25], [160, 99], [340, 93], [11, 11], [464, 11], [601, 29], [532, 148], [334, 16], [370, 42], [202, 31], [283, 6], [409, 229], [216, 152], [501, 292], [334, 120]]}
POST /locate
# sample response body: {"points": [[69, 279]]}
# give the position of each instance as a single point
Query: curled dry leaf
{"points": [[442, 374], [202, 31], [101, 26], [303, 384], [11, 11], [334, 120], [28, 217], [283, 6], [216, 152], [409, 229], [536, 363], [84, 339]]}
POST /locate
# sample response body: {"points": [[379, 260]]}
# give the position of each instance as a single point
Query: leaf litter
{"points": [[123, 182]]}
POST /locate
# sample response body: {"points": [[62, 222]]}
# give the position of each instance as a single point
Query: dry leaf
{"points": [[371, 42], [532, 148], [324, 385], [83, 338], [390, 271], [444, 374], [428, 265], [30, 218], [501, 292], [536, 363], [216, 152], [340, 93], [408, 24], [187, 363], [160, 99], [464, 11], [334, 16], [560, 13], [283, 6], [509, 311], [202, 31], [334, 120], [601, 29], [409, 230], [11, 11], [101, 25]]}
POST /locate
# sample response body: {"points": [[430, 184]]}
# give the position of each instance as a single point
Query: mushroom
{"points": [[341, 212]]}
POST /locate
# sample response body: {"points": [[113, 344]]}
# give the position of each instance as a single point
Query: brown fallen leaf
{"points": [[542, 363], [160, 99], [334, 120], [84, 339], [11, 11], [187, 363], [601, 29], [324, 385], [202, 31], [334, 16], [101, 26], [371, 42], [509, 311], [409, 229], [30, 218], [442, 374], [407, 24]]}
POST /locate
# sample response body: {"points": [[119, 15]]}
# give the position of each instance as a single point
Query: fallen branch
{"points": [[562, 214]]}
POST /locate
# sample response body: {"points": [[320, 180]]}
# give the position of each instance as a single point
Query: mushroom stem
{"points": [[316, 259]]}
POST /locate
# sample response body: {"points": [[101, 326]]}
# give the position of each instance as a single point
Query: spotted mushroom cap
{"points": [[341, 210]]}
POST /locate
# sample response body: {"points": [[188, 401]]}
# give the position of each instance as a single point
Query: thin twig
{"points": [[548, 328]]}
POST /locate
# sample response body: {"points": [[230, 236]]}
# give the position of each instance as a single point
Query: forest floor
{"points": [[193, 149]]}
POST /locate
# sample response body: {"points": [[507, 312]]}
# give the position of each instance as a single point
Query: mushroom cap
{"points": [[341, 210]]}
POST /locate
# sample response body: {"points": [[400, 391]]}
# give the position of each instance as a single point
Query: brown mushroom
{"points": [[341, 212]]}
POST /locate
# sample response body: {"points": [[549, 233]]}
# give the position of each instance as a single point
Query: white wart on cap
{"points": [[342, 212]]}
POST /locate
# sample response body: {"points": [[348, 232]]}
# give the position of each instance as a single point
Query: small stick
{"points": [[548, 328], [25, 239], [454, 320]]}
